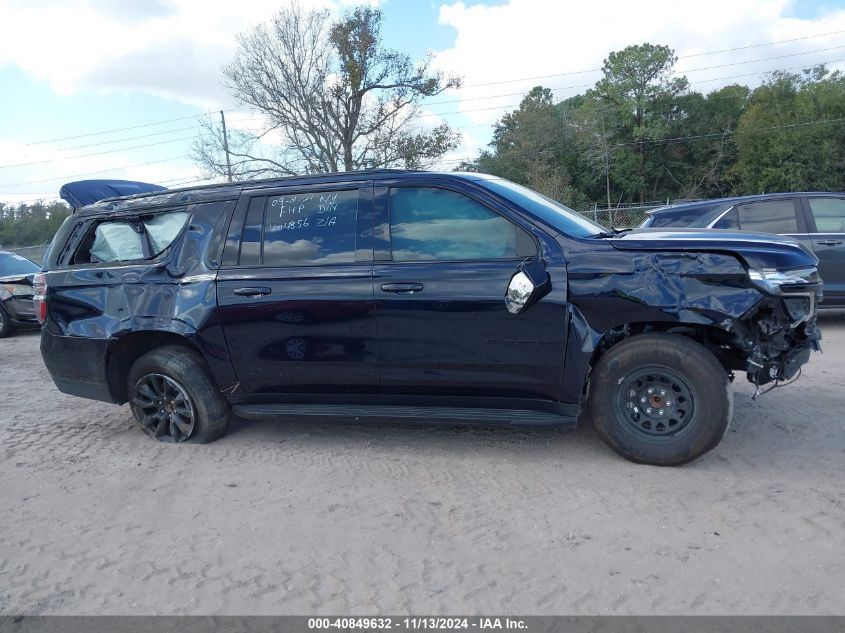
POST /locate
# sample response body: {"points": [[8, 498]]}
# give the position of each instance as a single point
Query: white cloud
{"points": [[170, 48], [530, 38]]}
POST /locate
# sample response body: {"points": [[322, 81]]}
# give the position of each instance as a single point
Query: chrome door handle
{"points": [[402, 288], [259, 291], [829, 242]]}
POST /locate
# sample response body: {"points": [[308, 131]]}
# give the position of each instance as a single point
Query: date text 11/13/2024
{"points": [[418, 623]]}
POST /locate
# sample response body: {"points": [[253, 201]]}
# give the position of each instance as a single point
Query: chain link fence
{"points": [[622, 216], [33, 253]]}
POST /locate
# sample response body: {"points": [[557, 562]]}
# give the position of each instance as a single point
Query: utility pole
{"points": [[606, 161], [226, 147]]}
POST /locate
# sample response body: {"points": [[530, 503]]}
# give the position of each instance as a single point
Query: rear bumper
{"points": [[77, 365]]}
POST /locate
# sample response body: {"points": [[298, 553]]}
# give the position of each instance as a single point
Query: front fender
{"points": [[611, 290]]}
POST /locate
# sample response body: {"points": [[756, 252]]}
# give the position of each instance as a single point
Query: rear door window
{"points": [[428, 223], [307, 229], [828, 214], [304, 228], [769, 216]]}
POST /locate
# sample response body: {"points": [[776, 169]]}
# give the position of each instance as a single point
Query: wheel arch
{"points": [[713, 338], [124, 351]]}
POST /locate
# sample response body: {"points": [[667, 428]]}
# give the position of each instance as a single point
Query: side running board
{"points": [[408, 414]]}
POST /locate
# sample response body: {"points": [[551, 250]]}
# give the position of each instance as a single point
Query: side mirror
{"points": [[528, 285]]}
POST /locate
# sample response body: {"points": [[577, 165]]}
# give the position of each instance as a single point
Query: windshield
{"points": [[11, 264], [552, 212]]}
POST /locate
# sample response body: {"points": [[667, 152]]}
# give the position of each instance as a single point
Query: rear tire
{"points": [[6, 327], [660, 399], [174, 398]]}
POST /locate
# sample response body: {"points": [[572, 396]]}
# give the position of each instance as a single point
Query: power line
{"points": [[173, 182], [514, 105], [676, 139], [674, 72], [590, 70], [116, 150], [742, 48], [119, 129], [93, 173], [503, 81], [109, 151], [673, 140], [131, 127], [128, 138]]}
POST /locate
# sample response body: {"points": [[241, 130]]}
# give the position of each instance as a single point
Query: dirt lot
{"points": [[295, 517]]}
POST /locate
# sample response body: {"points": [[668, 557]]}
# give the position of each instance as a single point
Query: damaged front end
{"points": [[779, 333]]}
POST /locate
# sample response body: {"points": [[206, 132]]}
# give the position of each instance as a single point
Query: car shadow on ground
{"points": [[456, 438]]}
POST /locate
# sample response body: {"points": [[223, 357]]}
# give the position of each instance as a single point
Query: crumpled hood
{"points": [[758, 250]]}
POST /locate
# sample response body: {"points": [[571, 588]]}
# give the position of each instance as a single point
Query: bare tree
{"points": [[338, 99]]}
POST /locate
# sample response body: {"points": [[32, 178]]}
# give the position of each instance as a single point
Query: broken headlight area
{"points": [[778, 336], [774, 280]]}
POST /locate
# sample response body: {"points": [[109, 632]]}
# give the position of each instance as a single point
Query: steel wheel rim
{"points": [[164, 408], [656, 403]]}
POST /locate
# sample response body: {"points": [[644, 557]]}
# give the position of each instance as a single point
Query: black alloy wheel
{"points": [[164, 408]]}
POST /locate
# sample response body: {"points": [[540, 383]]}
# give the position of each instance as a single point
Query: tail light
{"points": [[39, 284]]}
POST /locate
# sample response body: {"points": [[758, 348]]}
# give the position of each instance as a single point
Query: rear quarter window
{"points": [[130, 239], [693, 217]]}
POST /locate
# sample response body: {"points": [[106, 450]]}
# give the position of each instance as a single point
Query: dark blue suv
{"points": [[424, 296]]}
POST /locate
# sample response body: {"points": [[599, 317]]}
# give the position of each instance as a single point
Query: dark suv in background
{"points": [[422, 296], [815, 219]]}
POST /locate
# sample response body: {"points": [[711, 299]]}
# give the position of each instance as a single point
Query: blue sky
{"points": [[156, 64]]}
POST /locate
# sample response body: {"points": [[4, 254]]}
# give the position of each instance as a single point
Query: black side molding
{"points": [[491, 417]]}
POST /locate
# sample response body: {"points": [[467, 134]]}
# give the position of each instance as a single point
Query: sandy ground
{"points": [[289, 517]]}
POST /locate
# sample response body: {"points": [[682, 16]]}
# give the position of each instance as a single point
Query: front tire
{"points": [[660, 399], [174, 398], [6, 327]]}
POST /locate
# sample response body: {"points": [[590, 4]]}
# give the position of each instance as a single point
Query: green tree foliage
{"points": [[637, 98], [528, 147], [640, 134], [698, 164], [30, 224], [778, 151]]}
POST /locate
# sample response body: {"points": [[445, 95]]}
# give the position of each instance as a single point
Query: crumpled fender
{"points": [[608, 290]]}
